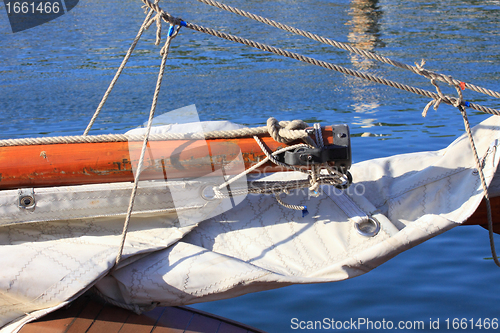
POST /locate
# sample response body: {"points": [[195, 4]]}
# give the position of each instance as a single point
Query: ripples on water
{"points": [[53, 76]]}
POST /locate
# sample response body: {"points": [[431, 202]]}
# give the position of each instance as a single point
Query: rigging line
{"points": [[165, 50], [276, 132], [144, 26], [483, 184], [262, 162], [415, 69], [446, 99], [327, 65]]}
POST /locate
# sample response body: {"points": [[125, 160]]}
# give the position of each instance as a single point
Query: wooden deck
{"points": [[91, 316]]}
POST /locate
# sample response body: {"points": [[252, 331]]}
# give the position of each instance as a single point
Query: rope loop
{"points": [[285, 132], [460, 100], [289, 206], [436, 101], [172, 33]]}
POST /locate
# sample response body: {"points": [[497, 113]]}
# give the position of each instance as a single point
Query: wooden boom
{"points": [[91, 163]]}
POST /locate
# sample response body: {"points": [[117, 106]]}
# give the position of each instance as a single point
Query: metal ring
{"points": [[367, 228], [26, 201], [207, 192]]}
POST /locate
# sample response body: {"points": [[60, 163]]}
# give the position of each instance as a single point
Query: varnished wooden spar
{"points": [[480, 215], [92, 163]]}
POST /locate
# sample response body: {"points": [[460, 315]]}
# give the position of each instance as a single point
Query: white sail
{"points": [[255, 246]]}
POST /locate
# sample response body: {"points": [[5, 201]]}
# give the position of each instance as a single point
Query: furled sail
{"points": [[53, 253]]}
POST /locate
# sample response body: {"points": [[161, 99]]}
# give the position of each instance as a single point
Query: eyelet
{"points": [[367, 228]]}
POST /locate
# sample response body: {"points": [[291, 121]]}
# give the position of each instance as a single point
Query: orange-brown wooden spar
{"points": [[91, 163], [480, 216]]}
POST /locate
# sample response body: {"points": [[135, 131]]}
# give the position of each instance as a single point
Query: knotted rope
{"points": [[314, 180], [285, 133], [459, 103]]}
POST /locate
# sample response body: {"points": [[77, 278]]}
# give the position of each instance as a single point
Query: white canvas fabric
{"points": [[257, 245]]}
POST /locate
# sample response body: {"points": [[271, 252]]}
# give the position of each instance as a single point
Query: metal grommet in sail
{"points": [[367, 227], [207, 192], [26, 199]]}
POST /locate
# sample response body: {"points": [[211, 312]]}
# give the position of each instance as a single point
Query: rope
{"points": [[352, 49], [274, 160], [144, 26], [289, 206], [268, 157], [447, 99], [314, 180], [285, 131], [418, 69], [435, 102], [483, 184], [144, 144]]}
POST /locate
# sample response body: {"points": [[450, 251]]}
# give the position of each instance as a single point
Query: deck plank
{"points": [[144, 323], [57, 321], [173, 320], [226, 325], [200, 323], [86, 317], [110, 320]]}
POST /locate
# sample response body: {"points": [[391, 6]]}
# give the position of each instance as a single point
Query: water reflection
{"points": [[364, 33], [364, 29]]}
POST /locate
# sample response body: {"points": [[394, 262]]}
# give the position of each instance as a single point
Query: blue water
{"points": [[53, 76]]}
